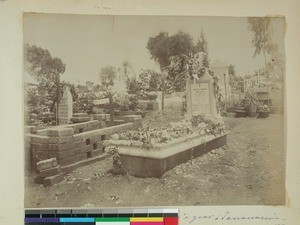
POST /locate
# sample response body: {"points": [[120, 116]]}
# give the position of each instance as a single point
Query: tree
{"points": [[162, 47], [127, 69], [202, 47], [233, 79], [133, 85], [150, 80], [262, 39], [107, 76], [46, 70]]}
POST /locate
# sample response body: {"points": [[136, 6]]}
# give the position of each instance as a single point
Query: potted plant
{"points": [[251, 103], [263, 111]]}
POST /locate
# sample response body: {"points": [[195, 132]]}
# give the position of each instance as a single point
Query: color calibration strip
{"points": [[102, 217]]}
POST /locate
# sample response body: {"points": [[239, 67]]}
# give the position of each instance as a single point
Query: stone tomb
{"points": [[162, 157], [201, 98]]}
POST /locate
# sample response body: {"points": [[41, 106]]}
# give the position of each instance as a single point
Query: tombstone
{"points": [[65, 107], [201, 98]]}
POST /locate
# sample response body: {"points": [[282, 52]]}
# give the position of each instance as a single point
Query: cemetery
{"points": [[144, 152], [189, 128]]}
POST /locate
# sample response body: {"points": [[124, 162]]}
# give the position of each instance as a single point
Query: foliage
{"points": [[163, 46], [262, 40], [85, 95], [251, 99], [127, 69], [217, 92], [149, 80], [118, 167], [46, 70], [35, 107], [133, 85], [84, 102], [146, 86], [202, 47], [127, 102], [71, 87], [184, 66], [152, 95], [264, 108], [207, 126], [108, 75], [233, 79], [147, 136]]}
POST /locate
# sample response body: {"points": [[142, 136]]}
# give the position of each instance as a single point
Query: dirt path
{"points": [[250, 170]]}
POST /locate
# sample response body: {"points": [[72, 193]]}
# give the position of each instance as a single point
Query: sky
{"points": [[86, 43]]}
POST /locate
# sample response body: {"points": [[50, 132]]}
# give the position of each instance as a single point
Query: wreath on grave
{"points": [[192, 67]]}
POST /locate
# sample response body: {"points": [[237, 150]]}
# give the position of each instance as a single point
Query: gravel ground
{"points": [[249, 170]]}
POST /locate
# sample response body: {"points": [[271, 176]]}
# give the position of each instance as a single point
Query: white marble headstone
{"points": [[201, 98]]}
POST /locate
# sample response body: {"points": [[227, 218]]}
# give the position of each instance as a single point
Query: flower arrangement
{"points": [[263, 111], [264, 108], [147, 136]]}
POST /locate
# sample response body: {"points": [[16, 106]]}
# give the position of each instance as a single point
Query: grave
{"points": [[201, 99], [154, 162], [65, 107]]}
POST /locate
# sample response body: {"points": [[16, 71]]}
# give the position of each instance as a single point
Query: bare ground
{"points": [[249, 170]]}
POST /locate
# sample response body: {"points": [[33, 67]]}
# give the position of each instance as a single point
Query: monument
{"points": [[200, 97], [65, 107]]}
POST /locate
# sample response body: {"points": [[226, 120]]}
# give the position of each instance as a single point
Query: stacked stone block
{"points": [[80, 117], [39, 148], [104, 118], [66, 145], [85, 126], [101, 118], [27, 147], [89, 144], [49, 172], [30, 130], [61, 144]]}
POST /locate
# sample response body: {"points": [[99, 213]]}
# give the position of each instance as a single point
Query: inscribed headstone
{"points": [[201, 98]]}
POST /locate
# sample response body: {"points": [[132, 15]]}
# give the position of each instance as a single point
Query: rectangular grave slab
{"points": [[156, 161]]}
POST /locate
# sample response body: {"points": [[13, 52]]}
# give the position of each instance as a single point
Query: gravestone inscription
{"points": [[200, 97]]}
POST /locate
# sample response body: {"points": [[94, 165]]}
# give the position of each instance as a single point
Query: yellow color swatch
{"points": [[146, 219]]}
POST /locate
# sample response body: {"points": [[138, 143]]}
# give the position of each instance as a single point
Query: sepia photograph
{"points": [[128, 111]]}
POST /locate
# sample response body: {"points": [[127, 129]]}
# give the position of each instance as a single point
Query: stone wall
{"points": [[69, 144]]}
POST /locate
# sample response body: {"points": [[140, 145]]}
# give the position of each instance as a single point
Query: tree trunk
{"points": [[52, 106], [163, 92], [111, 109], [57, 98], [163, 99]]}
